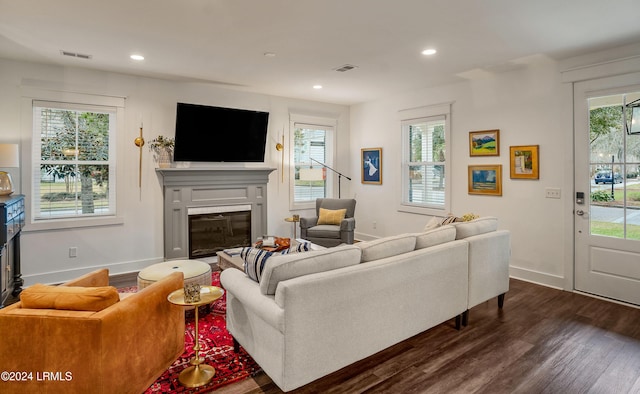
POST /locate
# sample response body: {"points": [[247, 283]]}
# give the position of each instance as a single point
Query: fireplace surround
{"points": [[214, 193]]}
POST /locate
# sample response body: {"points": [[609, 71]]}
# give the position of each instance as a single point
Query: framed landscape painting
{"points": [[484, 143], [371, 165], [524, 162], [485, 179]]}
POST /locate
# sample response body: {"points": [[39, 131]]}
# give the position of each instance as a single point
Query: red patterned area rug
{"points": [[216, 347]]}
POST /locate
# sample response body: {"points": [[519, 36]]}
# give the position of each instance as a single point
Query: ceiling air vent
{"points": [[345, 68], [74, 54]]}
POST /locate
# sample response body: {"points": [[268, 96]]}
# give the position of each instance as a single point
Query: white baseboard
{"points": [[539, 278], [66, 275], [364, 237]]}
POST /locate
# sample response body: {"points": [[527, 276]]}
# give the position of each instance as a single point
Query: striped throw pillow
{"points": [[301, 247], [255, 260], [449, 219]]}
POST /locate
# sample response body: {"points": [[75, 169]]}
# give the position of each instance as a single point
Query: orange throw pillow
{"points": [[71, 298], [329, 216]]}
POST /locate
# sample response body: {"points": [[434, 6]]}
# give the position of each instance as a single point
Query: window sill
{"points": [[303, 206], [60, 224], [422, 210]]}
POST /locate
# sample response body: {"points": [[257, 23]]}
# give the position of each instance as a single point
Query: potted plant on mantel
{"points": [[163, 148]]}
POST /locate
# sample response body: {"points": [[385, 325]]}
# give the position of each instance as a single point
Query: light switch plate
{"points": [[552, 192]]}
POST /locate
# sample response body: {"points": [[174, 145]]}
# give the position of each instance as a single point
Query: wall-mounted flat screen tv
{"points": [[218, 134]]}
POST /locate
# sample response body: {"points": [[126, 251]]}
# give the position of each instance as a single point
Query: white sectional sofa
{"points": [[313, 313]]}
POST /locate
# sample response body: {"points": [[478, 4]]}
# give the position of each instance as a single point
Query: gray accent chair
{"points": [[330, 235]]}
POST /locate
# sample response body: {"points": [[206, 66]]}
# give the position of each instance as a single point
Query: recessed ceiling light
{"points": [[137, 57], [317, 87], [429, 52]]}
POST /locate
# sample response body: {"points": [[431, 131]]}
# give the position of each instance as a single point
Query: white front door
{"points": [[607, 185]]}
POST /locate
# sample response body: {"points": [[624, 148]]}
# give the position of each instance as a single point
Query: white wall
{"points": [[138, 242], [530, 106]]}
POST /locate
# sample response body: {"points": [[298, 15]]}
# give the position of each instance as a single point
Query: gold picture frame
{"points": [[484, 143], [524, 162], [371, 165], [485, 179]]}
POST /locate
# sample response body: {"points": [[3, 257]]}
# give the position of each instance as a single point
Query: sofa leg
{"points": [[458, 322], [465, 318], [236, 346], [501, 300]]}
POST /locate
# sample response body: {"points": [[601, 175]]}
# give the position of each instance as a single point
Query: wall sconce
{"points": [[280, 148], [139, 142], [8, 158]]}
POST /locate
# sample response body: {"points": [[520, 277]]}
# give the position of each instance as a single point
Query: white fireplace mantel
{"points": [[186, 188]]}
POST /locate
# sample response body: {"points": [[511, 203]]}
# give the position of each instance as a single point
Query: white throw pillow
{"points": [[435, 222]]}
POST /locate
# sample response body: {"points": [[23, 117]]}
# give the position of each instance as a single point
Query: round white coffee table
{"points": [[194, 271]]}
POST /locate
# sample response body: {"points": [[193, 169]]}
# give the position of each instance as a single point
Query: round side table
{"points": [[199, 373], [294, 220]]}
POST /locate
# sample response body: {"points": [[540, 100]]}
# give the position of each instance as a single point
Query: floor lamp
{"points": [[8, 158], [315, 174]]}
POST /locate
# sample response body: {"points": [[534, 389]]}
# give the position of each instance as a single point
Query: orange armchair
{"points": [[123, 348]]}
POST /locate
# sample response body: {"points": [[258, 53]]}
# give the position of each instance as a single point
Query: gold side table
{"points": [[199, 373], [294, 219]]}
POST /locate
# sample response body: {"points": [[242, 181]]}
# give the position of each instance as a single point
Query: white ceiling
{"points": [[223, 42]]}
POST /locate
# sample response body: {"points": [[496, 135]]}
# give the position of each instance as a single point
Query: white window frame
{"points": [[30, 163], [414, 115], [327, 124]]}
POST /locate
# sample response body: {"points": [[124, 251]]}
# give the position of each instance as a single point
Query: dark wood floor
{"points": [[543, 341]]}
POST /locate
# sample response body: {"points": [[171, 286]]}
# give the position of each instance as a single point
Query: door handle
{"points": [[579, 212]]}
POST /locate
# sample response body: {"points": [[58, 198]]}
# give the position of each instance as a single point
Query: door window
{"points": [[614, 166]]}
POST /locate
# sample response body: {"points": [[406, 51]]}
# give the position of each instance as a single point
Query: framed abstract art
{"points": [[484, 143], [485, 179], [371, 165], [524, 162]]}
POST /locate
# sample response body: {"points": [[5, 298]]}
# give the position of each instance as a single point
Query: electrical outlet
{"points": [[73, 252], [375, 225], [552, 192]]}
